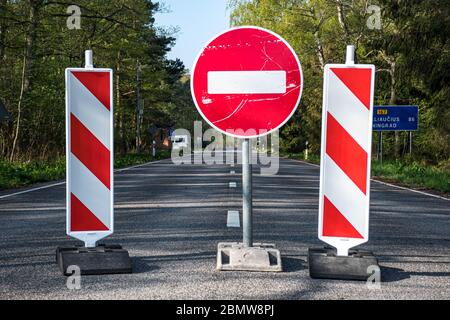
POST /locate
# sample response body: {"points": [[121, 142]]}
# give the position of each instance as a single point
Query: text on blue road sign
{"points": [[395, 118]]}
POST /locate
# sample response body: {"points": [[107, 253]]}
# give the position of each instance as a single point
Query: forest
{"points": [[39, 39], [410, 49]]}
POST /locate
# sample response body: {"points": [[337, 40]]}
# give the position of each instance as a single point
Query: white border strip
{"points": [[32, 190], [61, 183], [385, 183], [412, 190]]}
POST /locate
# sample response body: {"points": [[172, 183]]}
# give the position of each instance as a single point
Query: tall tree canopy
{"points": [[410, 51], [36, 45]]}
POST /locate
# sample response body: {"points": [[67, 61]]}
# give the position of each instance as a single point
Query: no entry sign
{"points": [[247, 82], [346, 155], [89, 125]]}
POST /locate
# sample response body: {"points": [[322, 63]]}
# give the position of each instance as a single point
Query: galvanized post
{"points": [[89, 59], [247, 208], [380, 147], [410, 142]]}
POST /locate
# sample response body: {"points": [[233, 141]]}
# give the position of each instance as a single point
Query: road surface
{"points": [[171, 218]]}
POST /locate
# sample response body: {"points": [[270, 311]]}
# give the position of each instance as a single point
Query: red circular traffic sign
{"points": [[247, 82]]}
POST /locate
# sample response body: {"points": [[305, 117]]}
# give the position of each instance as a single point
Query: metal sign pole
{"points": [[410, 142], [380, 147], [89, 59], [247, 207]]}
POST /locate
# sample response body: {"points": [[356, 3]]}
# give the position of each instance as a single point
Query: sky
{"points": [[198, 22]]}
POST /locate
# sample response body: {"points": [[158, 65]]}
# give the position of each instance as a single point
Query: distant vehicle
{"points": [[179, 142]]}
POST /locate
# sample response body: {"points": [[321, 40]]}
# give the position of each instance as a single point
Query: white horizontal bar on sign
{"points": [[246, 82]]}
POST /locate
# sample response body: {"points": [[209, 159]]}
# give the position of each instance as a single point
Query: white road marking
{"points": [[32, 190], [62, 183], [385, 183], [139, 165], [233, 220], [304, 162], [412, 190]]}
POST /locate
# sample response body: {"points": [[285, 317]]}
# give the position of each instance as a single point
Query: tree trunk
{"points": [[393, 102], [342, 21], [28, 64], [391, 61], [31, 42], [2, 57], [319, 50], [2, 31], [19, 111], [118, 108]]}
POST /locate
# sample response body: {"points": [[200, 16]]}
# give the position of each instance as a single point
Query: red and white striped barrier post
{"points": [[345, 163], [89, 156], [90, 153]]}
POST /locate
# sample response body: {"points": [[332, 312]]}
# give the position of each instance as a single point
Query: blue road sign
{"points": [[396, 118]]}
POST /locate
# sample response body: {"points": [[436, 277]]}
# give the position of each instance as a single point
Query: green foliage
{"points": [[413, 175], [411, 53], [14, 175], [132, 159], [409, 172], [36, 47], [20, 174], [312, 158]]}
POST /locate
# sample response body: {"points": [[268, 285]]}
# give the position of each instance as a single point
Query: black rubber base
{"points": [[103, 259], [325, 264]]}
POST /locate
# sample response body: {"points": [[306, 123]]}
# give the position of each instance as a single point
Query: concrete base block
{"points": [[325, 264], [236, 257], [102, 259]]}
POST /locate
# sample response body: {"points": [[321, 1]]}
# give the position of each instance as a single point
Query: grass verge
{"points": [[312, 158], [409, 174], [14, 175], [414, 175]]}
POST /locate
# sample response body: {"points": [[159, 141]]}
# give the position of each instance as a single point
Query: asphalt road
{"points": [[171, 218]]}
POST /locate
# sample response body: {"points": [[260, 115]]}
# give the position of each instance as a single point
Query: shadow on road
{"points": [[395, 274], [148, 264], [291, 264], [140, 265]]}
